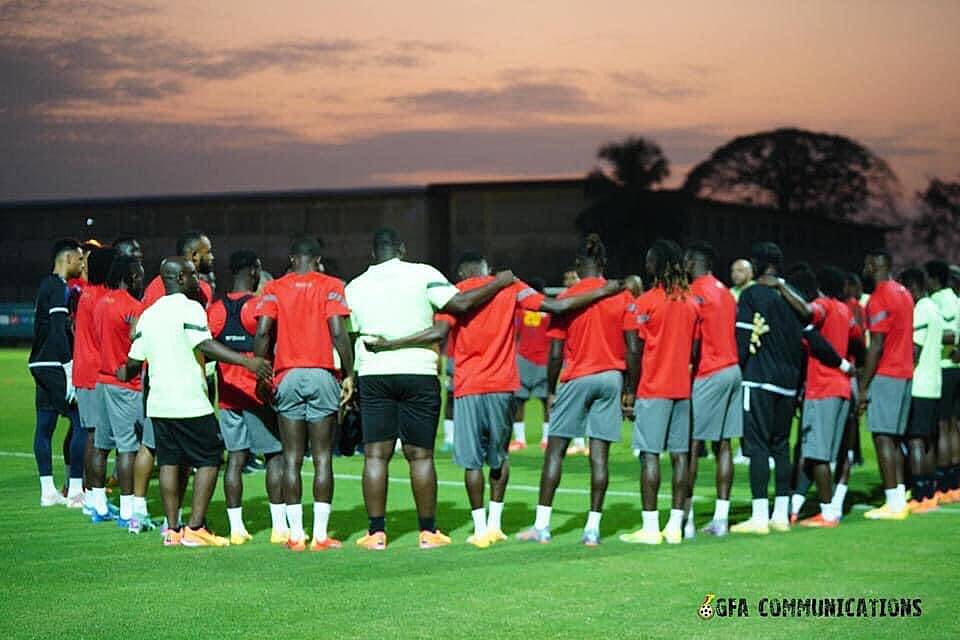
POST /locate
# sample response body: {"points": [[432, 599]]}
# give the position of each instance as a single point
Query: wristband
{"points": [[845, 366]]}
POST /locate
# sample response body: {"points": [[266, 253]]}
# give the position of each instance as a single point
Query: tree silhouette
{"points": [[622, 210], [938, 226], [636, 163], [798, 171]]}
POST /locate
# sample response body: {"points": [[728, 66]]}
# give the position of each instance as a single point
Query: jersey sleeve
{"points": [[267, 306], [217, 317], [818, 313], [445, 317], [879, 319], [195, 324], [438, 288], [54, 298], [921, 323], [527, 297], [336, 304]]}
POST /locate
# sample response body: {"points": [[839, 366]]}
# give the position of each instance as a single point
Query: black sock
{"points": [[923, 486], [428, 524], [941, 477], [377, 525], [953, 479]]}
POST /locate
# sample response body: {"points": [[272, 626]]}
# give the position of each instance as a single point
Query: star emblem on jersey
{"points": [[760, 327]]}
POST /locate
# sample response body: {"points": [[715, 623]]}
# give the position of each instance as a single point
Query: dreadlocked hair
{"points": [[593, 249], [668, 268]]}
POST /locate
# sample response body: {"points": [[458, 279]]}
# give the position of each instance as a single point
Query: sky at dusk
{"points": [[112, 98]]}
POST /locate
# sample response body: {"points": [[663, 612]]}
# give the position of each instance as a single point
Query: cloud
{"points": [[521, 97], [646, 85], [87, 158]]}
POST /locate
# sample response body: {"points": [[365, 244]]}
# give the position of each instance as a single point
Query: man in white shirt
{"points": [[172, 335], [399, 390]]}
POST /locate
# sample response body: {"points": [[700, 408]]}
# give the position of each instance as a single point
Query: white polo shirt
{"points": [[166, 335], [395, 299]]}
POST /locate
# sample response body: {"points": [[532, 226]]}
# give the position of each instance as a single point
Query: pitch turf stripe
{"points": [[532, 489], [452, 483]]}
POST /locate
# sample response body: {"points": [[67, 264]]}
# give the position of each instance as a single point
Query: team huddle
{"points": [[169, 375]]}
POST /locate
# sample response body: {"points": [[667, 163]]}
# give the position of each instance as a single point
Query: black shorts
{"points": [[767, 417], [950, 394], [923, 417], [188, 441], [403, 405], [51, 389]]}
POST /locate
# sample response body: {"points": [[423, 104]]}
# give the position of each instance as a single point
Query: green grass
{"points": [[65, 577]]}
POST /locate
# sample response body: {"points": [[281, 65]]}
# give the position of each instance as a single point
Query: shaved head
{"points": [[179, 275]]}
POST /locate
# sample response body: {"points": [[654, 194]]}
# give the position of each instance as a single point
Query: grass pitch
{"points": [[65, 577]]}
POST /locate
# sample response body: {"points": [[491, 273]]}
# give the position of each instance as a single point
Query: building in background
{"points": [[527, 225]]}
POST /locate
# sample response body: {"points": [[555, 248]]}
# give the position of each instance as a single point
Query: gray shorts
{"points": [[824, 423], [308, 394], [589, 405], [888, 405], [482, 428], [90, 407], [718, 405], [124, 424], [533, 380], [245, 430], [662, 424]]}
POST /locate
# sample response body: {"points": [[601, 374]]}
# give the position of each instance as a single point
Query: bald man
{"points": [[741, 275], [172, 335]]}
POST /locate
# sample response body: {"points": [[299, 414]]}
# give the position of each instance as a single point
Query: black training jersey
{"points": [[52, 333], [769, 336]]}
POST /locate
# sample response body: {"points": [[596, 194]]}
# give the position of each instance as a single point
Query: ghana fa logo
{"points": [[706, 609]]}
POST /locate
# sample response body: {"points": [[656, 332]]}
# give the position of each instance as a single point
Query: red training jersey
{"points": [[301, 304], [667, 326], [155, 291], [86, 341], [484, 340], [236, 386], [717, 328], [833, 320], [890, 311], [593, 337], [532, 341], [859, 317], [114, 317]]}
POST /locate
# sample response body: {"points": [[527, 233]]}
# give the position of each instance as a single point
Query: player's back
{"points": [[593, 337], [666, 324], [718, 317], [835, 322], [113, 318], [890, 311], [766, 321]]}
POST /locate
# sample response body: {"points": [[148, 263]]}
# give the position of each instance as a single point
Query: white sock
{"points": [[761, 512], [180, 517], [126, 507], [75, 487], [321, 518], [546, 431], [896, 501], [722, 510], [593, 521], [781, 509], [676, 520], [295, 518], [479, 521], [448, 431], [826, 511], [100, 500], [278, 517], [543, 517], [88, 498], [651, 521], [520, 432], [235, 515], [46, 485], [140, 506], [493, 519], [579, 442], [796, 503], [839, 495], [902, 492]]}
